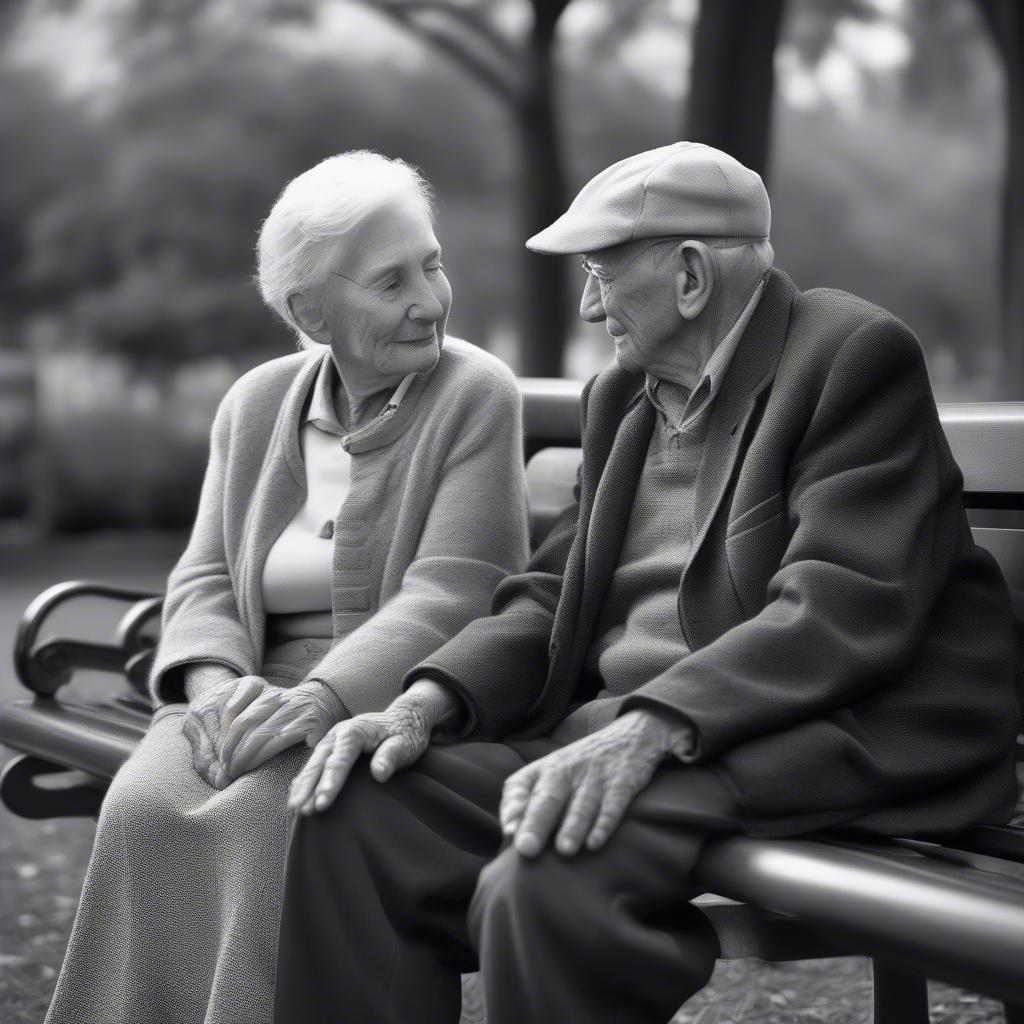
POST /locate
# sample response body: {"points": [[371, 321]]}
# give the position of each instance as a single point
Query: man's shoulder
{"points": [[826, 318], [827, 324]]}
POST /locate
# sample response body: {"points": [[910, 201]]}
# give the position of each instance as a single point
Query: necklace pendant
{"points": [[327, 530]]}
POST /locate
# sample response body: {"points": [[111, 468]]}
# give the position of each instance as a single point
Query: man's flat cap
{"points": [[686, 189]]}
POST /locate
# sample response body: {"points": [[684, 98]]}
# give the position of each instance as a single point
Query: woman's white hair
{"points": [[307, 226]]}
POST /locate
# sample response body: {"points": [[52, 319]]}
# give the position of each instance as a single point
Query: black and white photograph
{"points": [[512, 512]]}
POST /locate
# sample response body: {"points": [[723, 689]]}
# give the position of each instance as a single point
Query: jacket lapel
{"points": [[615, 444], [752, 369], [614, 449], [614, 391], [613, 504]]}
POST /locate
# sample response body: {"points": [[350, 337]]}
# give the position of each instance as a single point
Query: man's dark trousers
{"points": [[397, 888]]}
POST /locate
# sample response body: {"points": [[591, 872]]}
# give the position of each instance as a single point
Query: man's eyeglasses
{"points": [[595, 269], [604, 276]]}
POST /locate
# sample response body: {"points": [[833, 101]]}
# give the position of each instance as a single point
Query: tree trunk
{"points": [[544, 320], [1005, 19], [732, 77]]}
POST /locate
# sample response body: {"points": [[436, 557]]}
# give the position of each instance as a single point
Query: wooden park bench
{"points": [[950, 908]]}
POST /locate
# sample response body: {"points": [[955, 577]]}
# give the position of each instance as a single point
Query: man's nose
{"points": [[591, 306]]}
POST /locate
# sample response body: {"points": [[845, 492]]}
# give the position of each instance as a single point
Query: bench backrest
{"points": [[986, 438]]}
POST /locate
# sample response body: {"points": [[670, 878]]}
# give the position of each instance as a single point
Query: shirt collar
{"points": [[713, 375], [321, 412], [722, 357]]}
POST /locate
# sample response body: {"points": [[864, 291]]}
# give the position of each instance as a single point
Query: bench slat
{"points": [[987, 441], [946, 922], [94, 738]]}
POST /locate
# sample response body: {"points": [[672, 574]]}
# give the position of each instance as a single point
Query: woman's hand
{"points": [[213, 707], [396, 737], [277, 719]]}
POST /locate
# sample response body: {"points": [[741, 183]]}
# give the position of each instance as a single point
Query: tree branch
{"points": [[466, 17], [503, 83]]}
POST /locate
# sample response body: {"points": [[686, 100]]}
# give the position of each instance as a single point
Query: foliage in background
{"points": [[149, 139]]}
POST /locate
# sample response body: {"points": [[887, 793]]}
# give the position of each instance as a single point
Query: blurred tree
{"points": [[41, 137], [131, 209], [521, 77], [146, 246], [732, 78], [1005, 19]]}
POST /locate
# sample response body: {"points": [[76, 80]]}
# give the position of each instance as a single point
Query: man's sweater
{"points": [[441, 519], [638, 635]]}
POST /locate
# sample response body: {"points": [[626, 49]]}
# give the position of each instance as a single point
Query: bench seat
{"points": [[952, 915], [962, 923], [952, 911], [90, 737], [93, 740]]}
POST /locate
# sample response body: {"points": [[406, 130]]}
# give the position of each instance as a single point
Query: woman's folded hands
{"points": [[277, 719], [236, 724], [215, 700]]}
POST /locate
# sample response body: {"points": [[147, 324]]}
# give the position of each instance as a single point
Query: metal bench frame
{"points": [[951, 910]]}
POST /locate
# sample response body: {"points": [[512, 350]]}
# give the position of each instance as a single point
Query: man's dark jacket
{"points": [[852, 659]]}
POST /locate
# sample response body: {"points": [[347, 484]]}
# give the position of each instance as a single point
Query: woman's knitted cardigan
{"points": [[436, 517]]}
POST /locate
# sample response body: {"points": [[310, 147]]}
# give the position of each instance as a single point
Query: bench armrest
{"points": [[130, 630], [44, 667]]}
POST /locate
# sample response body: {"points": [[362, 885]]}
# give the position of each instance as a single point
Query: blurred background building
{"points": [[144, 140]]}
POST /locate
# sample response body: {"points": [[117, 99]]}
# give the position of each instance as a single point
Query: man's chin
{"points": [[624, 359]]}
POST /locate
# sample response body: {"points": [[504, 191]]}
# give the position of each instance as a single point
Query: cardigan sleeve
{"points": [[874, 495], [474, 535], [200, 616], [499, 664]]}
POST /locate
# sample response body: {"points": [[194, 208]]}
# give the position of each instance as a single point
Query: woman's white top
{"points": [[297, 574]]}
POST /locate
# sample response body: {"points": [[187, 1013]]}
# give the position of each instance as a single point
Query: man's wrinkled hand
{"points": [[210, 715], [395, 737], [584, 789], [277, 719]]}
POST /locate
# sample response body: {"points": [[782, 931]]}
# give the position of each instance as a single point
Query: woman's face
{"points": [[387, 300]]}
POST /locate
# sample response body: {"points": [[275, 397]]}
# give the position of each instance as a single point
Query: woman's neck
{"points": [[356, 410], [358, 397]]}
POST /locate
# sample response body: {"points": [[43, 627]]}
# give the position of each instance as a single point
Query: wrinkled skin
{"points": [[211, 712], [396, 737], [236, 725], [277, 719], [585, 788]]}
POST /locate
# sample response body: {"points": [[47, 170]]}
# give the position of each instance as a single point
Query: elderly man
{"points": [[764, 613]]}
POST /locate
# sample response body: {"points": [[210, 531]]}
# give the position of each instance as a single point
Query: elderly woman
{"points": [[363, 498]]}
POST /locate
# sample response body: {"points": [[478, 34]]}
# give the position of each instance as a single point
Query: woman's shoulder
{"points": [[473, 372], [265, 385]]}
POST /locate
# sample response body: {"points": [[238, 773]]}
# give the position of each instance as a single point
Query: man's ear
{"points": [[696, 278], [308, 315]]}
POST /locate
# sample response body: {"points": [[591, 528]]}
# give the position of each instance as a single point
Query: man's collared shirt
{"points": [[681, 407], [638, 635]]}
